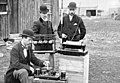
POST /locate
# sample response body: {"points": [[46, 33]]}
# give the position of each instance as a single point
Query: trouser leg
{"points": [[22, 75]]}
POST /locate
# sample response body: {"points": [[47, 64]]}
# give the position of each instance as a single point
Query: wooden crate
{"points": [[76, 67]]}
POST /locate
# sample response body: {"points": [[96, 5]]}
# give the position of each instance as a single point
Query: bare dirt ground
{"points": [[103, 45]]}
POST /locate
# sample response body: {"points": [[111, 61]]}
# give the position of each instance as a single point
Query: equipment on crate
{"points": [[74, 48], [44, 42], [44, 37], [48, 73], [74, 45]]}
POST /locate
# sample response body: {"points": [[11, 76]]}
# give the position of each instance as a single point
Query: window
{"points": [[3, 6]]}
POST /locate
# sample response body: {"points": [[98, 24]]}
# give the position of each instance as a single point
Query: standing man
{"points": [[72, 27], [21, 56], [44, 26]]}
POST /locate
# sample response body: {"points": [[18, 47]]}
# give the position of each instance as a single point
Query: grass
{"points": [[103, 44]]}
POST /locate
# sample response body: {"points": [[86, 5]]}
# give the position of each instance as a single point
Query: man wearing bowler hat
{"points": [[43, 25], [71, 28], [21, 57]]}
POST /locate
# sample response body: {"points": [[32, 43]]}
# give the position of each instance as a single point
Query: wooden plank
{"points": [[86, 69], [68, 63], [55, 13], [19, 15], [4, 26], [9, 16], [0, 28], [15, 16], [75, 78]]}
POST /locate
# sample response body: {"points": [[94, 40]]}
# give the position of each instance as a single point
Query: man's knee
{"points": [[21, 73]]}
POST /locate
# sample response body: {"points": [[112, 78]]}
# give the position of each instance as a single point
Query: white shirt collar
{"points": [[23, 45], [70, 17], [25, 50]]}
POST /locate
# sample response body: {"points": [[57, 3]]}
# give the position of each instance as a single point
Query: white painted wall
{"points": [[102, 4]]}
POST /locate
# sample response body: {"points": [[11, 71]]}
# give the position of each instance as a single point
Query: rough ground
{"points": [[103, 44]]}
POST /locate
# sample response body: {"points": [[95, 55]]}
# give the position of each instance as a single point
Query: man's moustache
{"points": [[71, 13], [44, 17]]}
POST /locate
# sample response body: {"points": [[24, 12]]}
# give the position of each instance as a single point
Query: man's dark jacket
{"points": [[69, 28], [42, 27], [19, 61]]}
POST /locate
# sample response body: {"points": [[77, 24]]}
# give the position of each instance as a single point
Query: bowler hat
{"points": [[27, 33], [72, 5], [43, 9]]}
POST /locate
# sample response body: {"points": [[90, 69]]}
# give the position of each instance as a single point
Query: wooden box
{"points": [[76, 67]]}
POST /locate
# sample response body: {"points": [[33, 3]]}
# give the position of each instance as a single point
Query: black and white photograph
{"points": [[59, 41]]}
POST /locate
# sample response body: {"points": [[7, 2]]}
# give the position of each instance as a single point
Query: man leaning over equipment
{"points": [[21, 56], [71, 28]]}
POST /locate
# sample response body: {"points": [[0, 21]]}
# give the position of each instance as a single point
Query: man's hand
{"points": [[15, 74], [64, 35], [32, 69], [46, 63], [78, 37]]}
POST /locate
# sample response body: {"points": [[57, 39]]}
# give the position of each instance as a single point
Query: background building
{"points": [[95, 7], [16, 15]]}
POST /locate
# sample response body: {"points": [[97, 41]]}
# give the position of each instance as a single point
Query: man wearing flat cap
{"points": [[21, 57], [71, 28]]}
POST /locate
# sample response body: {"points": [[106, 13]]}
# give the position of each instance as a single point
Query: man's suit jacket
{"points": [[19, 61], [42, 27], [69, 28]]}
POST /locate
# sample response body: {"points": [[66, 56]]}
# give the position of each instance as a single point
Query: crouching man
{"points": [[21, 56]]}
